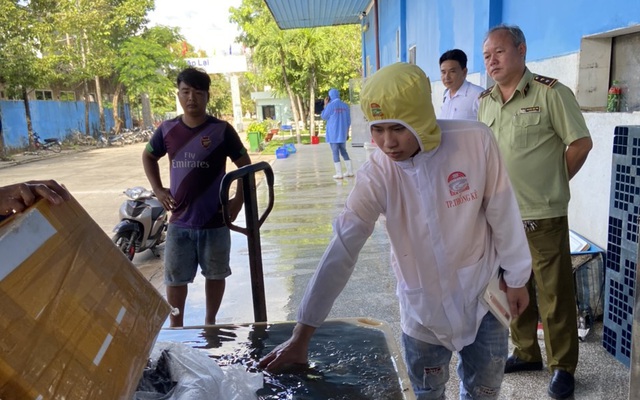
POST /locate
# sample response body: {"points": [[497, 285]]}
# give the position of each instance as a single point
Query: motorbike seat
{"points": [[50, 140]]}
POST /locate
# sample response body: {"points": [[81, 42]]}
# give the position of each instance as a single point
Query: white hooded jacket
{"points": [[451, 217]]}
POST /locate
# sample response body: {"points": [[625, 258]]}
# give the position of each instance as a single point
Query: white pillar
{"points": [[235, 101], [179, 109]]}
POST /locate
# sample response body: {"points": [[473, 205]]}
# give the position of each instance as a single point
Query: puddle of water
{"points": [[346, 361]]}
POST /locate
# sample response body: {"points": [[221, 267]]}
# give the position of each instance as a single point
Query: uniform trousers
{"points": [[552, 299]]}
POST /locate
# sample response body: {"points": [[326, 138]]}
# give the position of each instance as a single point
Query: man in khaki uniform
{"points": [[544, 140]]}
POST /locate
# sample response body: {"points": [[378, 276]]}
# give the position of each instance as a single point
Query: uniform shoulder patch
{"points": [[485, 92], [545, 80]]}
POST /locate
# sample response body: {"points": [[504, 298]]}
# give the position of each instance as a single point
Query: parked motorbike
{"points": [[110, 140], [143, 223], [51, 144]]}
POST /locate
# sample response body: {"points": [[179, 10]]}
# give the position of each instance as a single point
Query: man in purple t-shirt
{"points": [[198, 146]]}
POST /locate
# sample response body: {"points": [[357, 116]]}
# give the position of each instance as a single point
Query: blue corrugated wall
{"points": [[51, 119], [552, 28]]}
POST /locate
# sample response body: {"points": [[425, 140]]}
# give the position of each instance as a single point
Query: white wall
{"points": [[564, 69], [590, 189], [282, 106], [359, 128]]}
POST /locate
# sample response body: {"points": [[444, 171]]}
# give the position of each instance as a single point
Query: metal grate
{"points": [[622, 246]]}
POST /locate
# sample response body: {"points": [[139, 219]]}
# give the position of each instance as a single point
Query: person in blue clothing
{"points": [[337, 114]]}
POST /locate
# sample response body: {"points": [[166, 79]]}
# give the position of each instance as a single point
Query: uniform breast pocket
{"points": [[490, 122], [526, 130]]}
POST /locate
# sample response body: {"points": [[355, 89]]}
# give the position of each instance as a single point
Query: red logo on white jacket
{"points": [[458, 183]]}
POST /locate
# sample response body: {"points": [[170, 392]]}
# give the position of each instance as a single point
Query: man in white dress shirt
{"points": [[460, 100]]}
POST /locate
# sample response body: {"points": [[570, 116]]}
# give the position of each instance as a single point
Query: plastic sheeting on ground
{"points": [[177, 371]]}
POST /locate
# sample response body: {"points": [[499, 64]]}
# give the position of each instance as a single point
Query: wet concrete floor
{"points": [[293, 239]]}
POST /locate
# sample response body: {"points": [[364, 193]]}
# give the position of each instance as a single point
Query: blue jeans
{"points": [[480, 365], [337, 149]]}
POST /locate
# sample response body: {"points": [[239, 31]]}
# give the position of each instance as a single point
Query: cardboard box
{"points": [[77, 320]]}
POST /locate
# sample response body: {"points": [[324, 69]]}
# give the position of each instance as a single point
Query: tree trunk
{"points": [[85, 88], [312, 103], [27, 112], [296, 114], [120, 121], [294, 109], [86, 105], [303, 114], [3, 154], [100, 108], [116, 108]]}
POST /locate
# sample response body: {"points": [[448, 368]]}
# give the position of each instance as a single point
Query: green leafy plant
{"points": [[272, 146], [261, 127], [614, 97]]}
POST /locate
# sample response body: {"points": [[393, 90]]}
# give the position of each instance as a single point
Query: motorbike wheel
{"points": [[126, 242], [56, 148]]}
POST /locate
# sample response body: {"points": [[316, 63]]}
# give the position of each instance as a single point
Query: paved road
{"points": [[97, 179], [293, 237]]}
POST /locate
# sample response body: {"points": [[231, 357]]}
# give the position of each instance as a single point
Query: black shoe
{"points": [[561, 385], [514, 364]]}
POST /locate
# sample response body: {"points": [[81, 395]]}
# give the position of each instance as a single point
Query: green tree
{"points": [[70, 49], [69, 41], [299, 62], [146, 64], [343, 63], [268, 45], [219, 100], [246, 87], [84, 41], [127, 19], [24, 32]]}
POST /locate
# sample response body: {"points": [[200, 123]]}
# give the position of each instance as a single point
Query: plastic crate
{"points": [[291, 148], [622, 243], [281, 152], [589, 281]]}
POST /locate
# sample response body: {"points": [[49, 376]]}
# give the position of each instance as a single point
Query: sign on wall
{"points": [[220, 64], [223, 65]]}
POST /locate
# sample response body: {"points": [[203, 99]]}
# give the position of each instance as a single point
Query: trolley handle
{"points": [[247, 174], [252, 231]]}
